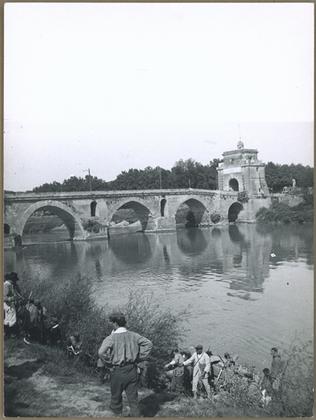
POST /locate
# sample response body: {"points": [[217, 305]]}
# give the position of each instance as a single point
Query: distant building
{"points": [[242, 171]]}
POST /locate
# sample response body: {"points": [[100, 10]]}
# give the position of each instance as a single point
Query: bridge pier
{"points": [[161, 224]]}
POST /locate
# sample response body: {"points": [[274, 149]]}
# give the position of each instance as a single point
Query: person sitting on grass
{"points": [[74, 345]]}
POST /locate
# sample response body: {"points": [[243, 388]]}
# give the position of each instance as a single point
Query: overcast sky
{"points": [[115, 86]]}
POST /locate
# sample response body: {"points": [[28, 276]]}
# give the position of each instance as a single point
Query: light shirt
{"points": [[125, 347], [177, 360], [201, 363]]}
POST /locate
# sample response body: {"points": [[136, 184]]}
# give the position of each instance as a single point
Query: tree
{"points": [[184, 174]]}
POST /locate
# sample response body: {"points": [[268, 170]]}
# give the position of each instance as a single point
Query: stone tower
{"points": [[242, 171]]}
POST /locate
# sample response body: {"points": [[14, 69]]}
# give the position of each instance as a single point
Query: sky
{"points": [[111, 86]]}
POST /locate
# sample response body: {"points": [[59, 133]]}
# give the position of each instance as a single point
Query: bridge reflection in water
{"points": [[242, 282]]}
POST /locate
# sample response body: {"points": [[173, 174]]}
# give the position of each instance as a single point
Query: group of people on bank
{"points": [[27, 316], [124, 355], [198, 371], [204, 373]]}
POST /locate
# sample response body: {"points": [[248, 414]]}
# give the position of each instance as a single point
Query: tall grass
{"points": [[297, 391], [73, 304]]}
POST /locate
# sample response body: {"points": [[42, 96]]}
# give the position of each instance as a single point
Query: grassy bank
{"points": [[41, 381]]}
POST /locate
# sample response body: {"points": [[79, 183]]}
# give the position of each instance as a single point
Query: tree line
{"points": [[184, 174], [280, 176]]}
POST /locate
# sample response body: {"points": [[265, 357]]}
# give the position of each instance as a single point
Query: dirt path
{"points": [[29, 391]]}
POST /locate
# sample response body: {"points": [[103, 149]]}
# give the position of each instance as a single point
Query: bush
{"points": [[243, 197], [91, 226], [297, 392], [282, 213], [215, 217], [161, 326], [74, 306]]}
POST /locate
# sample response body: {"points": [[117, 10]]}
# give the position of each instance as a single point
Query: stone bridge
{"points": [[90, 214], [242, 191]]}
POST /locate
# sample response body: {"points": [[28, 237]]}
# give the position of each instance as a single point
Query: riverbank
{"points": [[41, 381]]}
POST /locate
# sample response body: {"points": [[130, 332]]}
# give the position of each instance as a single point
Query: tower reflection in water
{"points": [[239, 254]]}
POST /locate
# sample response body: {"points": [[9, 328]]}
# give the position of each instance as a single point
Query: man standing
{"points": [[201, 368], [276, 370], [126, 349]]}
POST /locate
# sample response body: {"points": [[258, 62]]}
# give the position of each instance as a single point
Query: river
{"points": [[247, 288]]}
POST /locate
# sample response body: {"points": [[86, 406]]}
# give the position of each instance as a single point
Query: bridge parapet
{"points": [[26, 196]]}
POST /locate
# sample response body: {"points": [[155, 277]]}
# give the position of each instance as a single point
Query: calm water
{"points": [[241, 297]]}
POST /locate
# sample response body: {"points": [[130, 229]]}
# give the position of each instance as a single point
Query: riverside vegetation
{"points": [[75, 308], [282, 213]]}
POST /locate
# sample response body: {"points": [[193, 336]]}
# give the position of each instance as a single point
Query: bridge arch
{"points": [[66, 214], [141, 212], [190, 213], [234, 211]]}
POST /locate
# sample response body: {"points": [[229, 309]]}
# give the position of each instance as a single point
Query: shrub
{"points": [[74, 306], [243, 197], [215, 217], [282, 213], [297, 392], [91, 226], [161, 326]]}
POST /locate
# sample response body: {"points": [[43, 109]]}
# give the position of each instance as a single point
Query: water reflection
{"points": [[250, 260], [98, 269], [191, 241], [166, 255], [235, 235], [221, 271], [216, 232], [131, 249]]}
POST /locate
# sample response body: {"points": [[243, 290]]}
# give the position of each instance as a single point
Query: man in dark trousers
{"points": [[126, 349]]}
